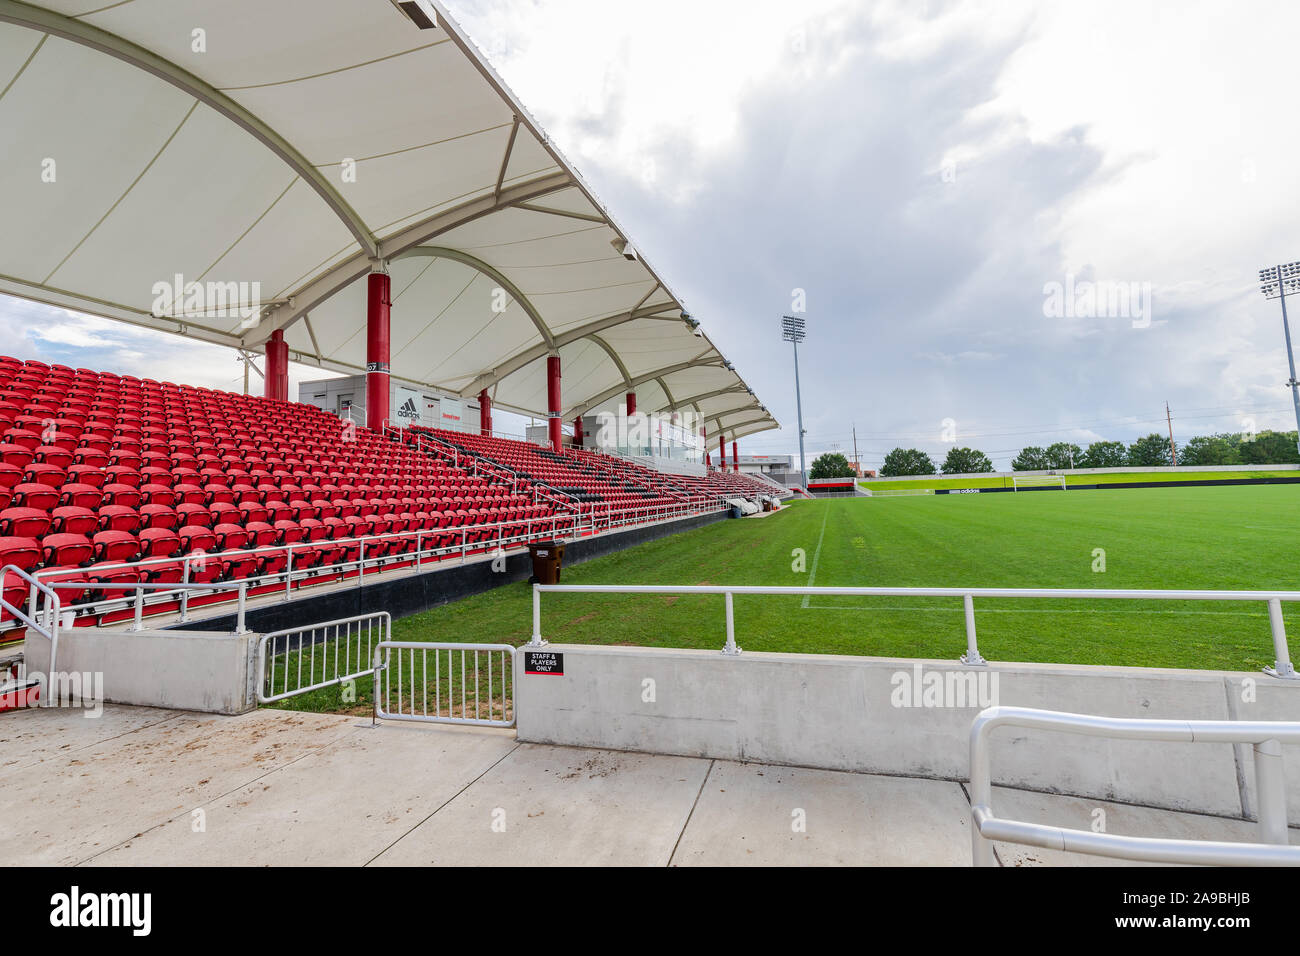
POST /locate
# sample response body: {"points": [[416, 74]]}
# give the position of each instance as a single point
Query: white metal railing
{"points": [[140, 587], [346, 651], [1274, 848], [464, 687], [146, 597], [44, 622], [1281, 668], [543, 528]]}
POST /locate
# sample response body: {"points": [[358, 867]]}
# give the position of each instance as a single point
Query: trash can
{"points": [[736, 512], [767, 504], [547, 558]]}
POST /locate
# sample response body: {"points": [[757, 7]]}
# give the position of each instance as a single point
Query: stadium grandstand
{"points": [[110, 481], [232, 580]]}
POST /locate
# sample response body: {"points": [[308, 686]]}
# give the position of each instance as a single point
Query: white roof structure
{"points": [[272, 150]]}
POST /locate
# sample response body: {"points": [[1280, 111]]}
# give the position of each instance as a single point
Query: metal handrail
{"points": [[554, 495], [1274, 848], [184, 586], [50, 629], [141, 586], [565, 526], [562, 497], [1282, 667]]}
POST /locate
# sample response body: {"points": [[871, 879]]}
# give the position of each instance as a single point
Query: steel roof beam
{"points": [[84, 34]]}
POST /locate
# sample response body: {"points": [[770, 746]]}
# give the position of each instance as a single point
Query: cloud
{"points": [[920, 171]]}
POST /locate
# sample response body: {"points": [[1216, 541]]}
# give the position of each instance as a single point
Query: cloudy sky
{"points": [[929, 174]]}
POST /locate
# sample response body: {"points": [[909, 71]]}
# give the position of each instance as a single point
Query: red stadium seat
{"points": [[22, 553], [24, 523], [113, 545], [72, 519], [66, 550]]}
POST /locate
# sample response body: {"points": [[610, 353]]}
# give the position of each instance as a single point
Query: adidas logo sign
{"points": [[408, 409]]}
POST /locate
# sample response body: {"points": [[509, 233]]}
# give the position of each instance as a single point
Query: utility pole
{"points": [[1173, 449], [857, 464], [247, 358]]}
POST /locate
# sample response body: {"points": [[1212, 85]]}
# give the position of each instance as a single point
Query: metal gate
{"points": [[445, 683], [302, 659]]}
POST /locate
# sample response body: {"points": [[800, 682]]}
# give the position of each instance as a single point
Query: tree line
{"points": [[1263, 448]]}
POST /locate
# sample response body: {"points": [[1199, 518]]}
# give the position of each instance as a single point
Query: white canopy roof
{"points": [[290, 145]]}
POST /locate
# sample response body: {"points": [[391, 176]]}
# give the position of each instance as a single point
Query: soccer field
{"points": [[1231, 537]]}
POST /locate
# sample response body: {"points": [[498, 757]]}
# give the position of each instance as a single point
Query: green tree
{"points": [[1032, 458], [831, 465], [1104, 454], [966, 461], [1064, 455], [1270, 448], [1150, 451], [1209, 450], [906, 461]]}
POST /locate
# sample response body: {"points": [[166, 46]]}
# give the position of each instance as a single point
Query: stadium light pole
{"points": [[792, 330], [1275, 282]]}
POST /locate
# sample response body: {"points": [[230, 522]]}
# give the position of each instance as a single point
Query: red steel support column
{"points": [[377, 350], [277, 367], [553, 400], [735, 458], [485, 412], [577, 431], [722, 452], [631, 404]]}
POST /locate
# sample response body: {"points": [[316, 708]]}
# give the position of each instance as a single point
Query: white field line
{"points": [[812, 572]]}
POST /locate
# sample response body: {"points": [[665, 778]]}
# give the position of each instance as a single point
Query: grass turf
{"points": [[1237, 537]]}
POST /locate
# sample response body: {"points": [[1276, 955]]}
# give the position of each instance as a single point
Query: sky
{"points": [[932, 179]]}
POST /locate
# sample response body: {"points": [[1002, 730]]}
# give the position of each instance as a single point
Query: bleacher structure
{"points": [[109, 482]]}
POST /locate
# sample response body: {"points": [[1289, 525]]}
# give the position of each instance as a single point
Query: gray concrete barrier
{"points": [[214, 672], [864, 714]]}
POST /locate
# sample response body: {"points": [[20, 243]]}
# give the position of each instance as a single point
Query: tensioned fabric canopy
{"points": [[273, 153]]}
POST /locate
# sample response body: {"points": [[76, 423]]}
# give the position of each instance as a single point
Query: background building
{"points": [[408, 405]]}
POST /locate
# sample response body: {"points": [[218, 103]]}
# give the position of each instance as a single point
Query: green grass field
{"points": [[1109, 478], [1230, 537]]}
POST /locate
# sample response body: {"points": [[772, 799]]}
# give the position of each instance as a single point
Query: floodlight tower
{"points": [[1275, 282], [792, 330]]}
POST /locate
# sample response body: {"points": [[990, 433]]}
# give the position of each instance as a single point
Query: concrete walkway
{"points": [[140, 786]]}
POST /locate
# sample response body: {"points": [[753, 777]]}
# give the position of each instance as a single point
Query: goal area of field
{"points": [[1038, 481]]}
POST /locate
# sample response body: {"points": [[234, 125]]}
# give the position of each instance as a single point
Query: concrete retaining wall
{"points": [[186, 670], [845, 713]]}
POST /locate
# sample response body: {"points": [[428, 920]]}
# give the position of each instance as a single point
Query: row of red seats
{"points": [[98, 469]]}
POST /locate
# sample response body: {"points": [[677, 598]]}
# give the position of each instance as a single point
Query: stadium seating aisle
{"points": [[597, 490], [604, 484], [98, 469]]}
